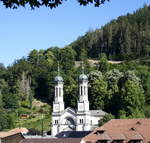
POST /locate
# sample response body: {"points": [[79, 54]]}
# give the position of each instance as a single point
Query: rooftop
{"points": [[13, 132], [122, 129], [52, 140], [73, 134]]}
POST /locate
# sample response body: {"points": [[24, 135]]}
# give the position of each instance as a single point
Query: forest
{"points": [[127, 37], [122, 90]]}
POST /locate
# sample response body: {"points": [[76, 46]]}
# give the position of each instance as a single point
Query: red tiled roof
{"points": [[124, 129]]}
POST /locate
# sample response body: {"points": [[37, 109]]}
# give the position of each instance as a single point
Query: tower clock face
{"points": [[56, 107], [81, 107]]}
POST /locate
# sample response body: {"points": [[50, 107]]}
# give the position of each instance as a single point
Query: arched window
{"points": [[84, 90], [81, 90], [56, 92]]}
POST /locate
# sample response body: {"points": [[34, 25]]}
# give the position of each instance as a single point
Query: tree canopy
{"points": [[48, 3], [124, 38]]}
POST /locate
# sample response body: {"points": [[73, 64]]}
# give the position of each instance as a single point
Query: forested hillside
{"points": [[127, 37], [122, 90]]}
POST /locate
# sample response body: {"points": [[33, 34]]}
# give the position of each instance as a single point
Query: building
{"points": [[51, 140], [72, 134], [81, 119], [21, 130], [121, 131], [11, 137]]}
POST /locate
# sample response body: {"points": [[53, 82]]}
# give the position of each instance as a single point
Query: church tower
{"points": [[83, 103], [58, 104]]}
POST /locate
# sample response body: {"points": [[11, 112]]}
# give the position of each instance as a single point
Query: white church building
{"points": [[80, 119]]}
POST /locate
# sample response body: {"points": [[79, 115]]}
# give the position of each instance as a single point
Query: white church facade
{"points": [[80, 119]]}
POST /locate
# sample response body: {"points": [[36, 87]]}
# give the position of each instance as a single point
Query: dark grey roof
{"points": [[58, 79], [97, 112], [73, 134], [52, 140], [83, 77]]}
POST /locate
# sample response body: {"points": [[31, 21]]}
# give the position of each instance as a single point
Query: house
{"points": [[121, 131], [51, 140], [20, 130], [11, 137]]}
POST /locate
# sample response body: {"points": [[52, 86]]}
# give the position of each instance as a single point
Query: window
{"points": [[81, 121], [59, 91], [81, 90], [56, 92], [56, 121], [84, 90]]}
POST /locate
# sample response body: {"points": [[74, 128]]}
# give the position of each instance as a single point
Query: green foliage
{"points": [[147, 111], [97, 90], [6, 120], [67, 58], [125, 38], [103, 64], [132, 97], [37, 123], [105, 119], [112, 99], [25, 104], [10, 101], [23, 110], [47, 3]]}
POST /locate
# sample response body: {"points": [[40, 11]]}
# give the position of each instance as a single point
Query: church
{"points": [[80, 119]]}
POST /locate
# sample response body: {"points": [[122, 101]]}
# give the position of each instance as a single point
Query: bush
{"points": [[23, 111], [10, 101], [6, 121], [105, 119], [25, 104]]}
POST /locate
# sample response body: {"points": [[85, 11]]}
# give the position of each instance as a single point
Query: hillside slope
{"points": [[124, 38]]}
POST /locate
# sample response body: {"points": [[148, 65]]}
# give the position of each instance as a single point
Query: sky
{"points": [[23, 29]]}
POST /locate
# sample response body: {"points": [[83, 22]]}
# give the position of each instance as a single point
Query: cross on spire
{"points": [[82, 67], [58, 69]]}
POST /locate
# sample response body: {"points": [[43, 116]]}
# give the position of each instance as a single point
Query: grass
{"points": [[36, 118], [36, 123]]}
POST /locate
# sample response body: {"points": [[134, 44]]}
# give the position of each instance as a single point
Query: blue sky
{"points": [[23, 30]]}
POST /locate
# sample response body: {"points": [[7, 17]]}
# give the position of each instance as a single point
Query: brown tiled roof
{"points": [[124, 129], [118, 137], [20, 130], [13, 132], [6, 134], [52, 140], [104, 136]]}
